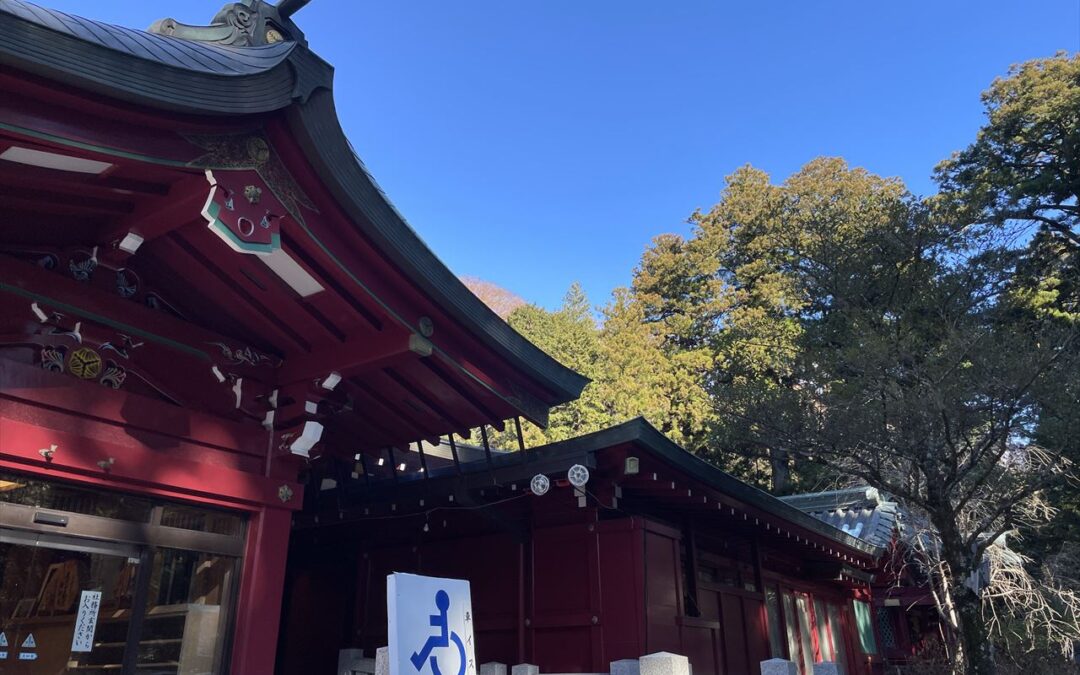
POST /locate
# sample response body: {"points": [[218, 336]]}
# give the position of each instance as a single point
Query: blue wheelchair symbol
{"points": [[442, 640]]}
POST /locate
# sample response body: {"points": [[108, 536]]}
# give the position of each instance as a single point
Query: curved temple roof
{"points": [[209, 78], [645, 435], [200, 57], [561, 455], [861, 512]]}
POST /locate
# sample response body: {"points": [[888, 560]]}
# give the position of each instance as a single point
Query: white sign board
{"points": [[86, 622], [430, 626]]}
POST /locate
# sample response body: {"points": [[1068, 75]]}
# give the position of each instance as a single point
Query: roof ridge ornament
{"points": [[248, 23]]}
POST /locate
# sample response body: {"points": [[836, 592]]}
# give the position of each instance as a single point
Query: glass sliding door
{"points": [[186, 612], [799, 637], [824, 634], [99, 582], [60, 601]]}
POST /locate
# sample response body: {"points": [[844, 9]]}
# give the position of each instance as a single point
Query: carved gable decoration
{"points": [[248, 23], [241, 214], [83, 360], [251, 191]]}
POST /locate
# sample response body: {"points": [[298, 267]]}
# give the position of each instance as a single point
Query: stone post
{"points": [[664, 663], [826, 668], [492, 668], [352, 661], [525, 669], [625, 667], [382, 661], [779, 667]]}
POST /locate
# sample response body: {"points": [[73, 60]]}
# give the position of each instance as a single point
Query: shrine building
{"points": [[237, 390]]}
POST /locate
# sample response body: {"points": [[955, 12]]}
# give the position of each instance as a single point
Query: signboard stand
{"points": [[430, 626]]}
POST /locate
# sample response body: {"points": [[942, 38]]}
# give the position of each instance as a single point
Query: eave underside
{"points": [[661, 489], [116, 62], [363, 325]]}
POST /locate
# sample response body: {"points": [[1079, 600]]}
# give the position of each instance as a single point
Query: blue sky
{"points": [[538, 142]]}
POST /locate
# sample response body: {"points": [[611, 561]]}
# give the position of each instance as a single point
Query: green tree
{"points": [[1023, 166], [1022, 177], [631, 374], [571, 336], [850, 328], [637, 378], [734, 298]]}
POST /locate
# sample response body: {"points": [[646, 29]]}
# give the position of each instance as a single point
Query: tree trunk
{"points": [[975, 648], [779, 464], [974, 638]]}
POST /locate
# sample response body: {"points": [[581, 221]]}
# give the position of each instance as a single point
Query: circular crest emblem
{"points": [[578, 475], [84, 363], [540, 484]]}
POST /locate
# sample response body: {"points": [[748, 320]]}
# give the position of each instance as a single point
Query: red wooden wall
{"points": [[570, 598], [539, 599], [586, 599], [728, 637], [161, 450]]}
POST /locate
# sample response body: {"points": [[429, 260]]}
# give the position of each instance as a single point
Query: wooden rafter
{"points": [[354, 357]]}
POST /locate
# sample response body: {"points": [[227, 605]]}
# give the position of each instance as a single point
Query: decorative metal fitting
{"points": [[284, 493], [106, 464], [426, 326], [540, 484], [578, 475], [47, 453]]}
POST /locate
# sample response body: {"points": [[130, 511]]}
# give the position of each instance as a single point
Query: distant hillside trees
{"points": [[500, 300]]}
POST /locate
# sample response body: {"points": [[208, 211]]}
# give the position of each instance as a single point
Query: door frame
{"points": [[153, 533], [25, 525]]}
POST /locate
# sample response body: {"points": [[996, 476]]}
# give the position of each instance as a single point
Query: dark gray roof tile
{"points": [[170, 51], [861, 512]]}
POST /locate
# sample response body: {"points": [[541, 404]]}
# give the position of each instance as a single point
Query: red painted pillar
{"points": [[261, 586]]}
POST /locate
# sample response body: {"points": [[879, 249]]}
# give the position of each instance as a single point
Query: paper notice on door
{"points": [[86, 621]]}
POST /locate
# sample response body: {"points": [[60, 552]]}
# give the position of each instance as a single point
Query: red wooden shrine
{"points": [[658, 551], [908, 625], [231, 377], [201, 294]]}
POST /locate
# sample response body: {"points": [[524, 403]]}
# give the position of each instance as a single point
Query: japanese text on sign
{"points": [[86, 622]]}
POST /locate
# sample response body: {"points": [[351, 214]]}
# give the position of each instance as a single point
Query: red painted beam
{"points": [[216, 292], [66, 119], [12, 173], [753, 517], [90, 401], [352, 358], [22, 284], [153, 218], [129, 435], [137, 466], [410, 423], [49, 200]]}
